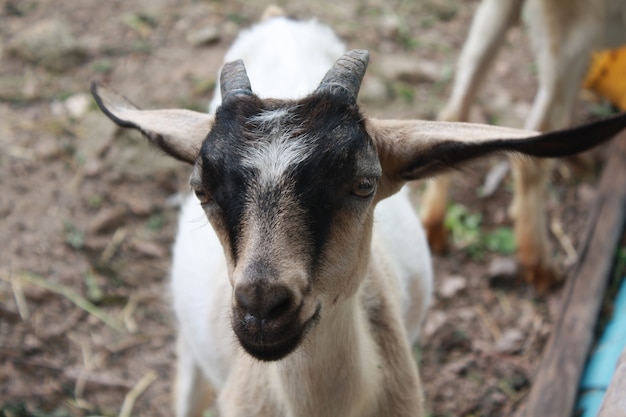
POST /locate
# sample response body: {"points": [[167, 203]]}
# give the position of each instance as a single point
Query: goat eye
{"points": [[364, 187], [202, 195]]}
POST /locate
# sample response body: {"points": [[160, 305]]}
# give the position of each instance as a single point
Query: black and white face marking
{"points": [[311, 157], [276, 177]]}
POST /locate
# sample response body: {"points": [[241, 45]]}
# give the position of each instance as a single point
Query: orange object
{"points": [[607, 76]]}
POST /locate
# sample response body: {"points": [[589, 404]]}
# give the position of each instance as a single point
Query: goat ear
{"points": [[177, 132], [415, 149]]}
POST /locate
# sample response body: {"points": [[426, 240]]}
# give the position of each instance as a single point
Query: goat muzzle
{"points": [[267, 319]]}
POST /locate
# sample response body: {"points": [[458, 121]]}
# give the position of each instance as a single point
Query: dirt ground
{"points": [[88, 213]]}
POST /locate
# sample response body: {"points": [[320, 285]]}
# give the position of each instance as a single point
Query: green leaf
{"points": [[501, 240]]}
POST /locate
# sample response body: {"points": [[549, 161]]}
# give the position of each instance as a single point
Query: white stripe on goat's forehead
{"points": [[276, 149], [268, 118], [269, 162]]}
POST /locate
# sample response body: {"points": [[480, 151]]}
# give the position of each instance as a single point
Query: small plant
{"points": [[236, 18], [463, 225], [155, 222], [95, 201], [94, 292], [141, 23], [405, 92], [467, 235], [602, 109], [501, 240], [74, 236], [103, 66], [21, 409]]}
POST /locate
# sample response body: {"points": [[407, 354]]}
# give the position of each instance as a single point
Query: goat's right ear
{"points": [[177, 132], [416, 149]]}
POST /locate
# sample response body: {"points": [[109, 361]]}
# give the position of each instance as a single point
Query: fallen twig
{"points": [[114, 244], [491, 325], [20, 300], [127, 314], [566, 243], [133, 394], [81, 380], [68, 293]]}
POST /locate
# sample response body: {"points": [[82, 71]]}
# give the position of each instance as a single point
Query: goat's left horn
{"points": [[234, 80], [347, 73]]}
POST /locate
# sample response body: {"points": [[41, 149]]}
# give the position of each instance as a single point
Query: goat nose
{"points": [[263, 301]]}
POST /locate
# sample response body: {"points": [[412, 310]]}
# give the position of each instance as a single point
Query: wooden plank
{"points": [[614, 402], [554, 391]]}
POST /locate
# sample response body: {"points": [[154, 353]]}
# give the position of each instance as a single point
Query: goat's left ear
{"points": [[416, 149], [177, 132]]}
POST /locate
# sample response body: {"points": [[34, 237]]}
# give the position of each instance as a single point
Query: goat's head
{"points": [[290, 186]]}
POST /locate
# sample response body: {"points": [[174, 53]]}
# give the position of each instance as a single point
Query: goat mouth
{"points": [[273, 346]]}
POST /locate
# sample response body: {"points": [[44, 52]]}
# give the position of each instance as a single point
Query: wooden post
{"points": [[555, 387], [614, 402]]}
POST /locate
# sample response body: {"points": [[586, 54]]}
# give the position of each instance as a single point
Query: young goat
{"points": [[563, 34], [305, 296]]}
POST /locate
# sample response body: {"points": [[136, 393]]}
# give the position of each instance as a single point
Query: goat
{"points": [[563, 34], [305, 296]]}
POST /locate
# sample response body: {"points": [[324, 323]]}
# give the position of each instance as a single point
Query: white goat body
{"points": [[315, 263], [287, 59], [563, 35]]}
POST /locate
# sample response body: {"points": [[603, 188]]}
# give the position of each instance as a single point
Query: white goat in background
{"points": [[563, 34], [305, 296]]}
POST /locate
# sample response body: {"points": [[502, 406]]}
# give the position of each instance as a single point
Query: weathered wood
{"points": [[556, 384], [614, 402]]}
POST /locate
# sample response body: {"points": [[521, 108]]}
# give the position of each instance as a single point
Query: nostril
{"points": [[262, 301], [244, 300], [278, 305]]}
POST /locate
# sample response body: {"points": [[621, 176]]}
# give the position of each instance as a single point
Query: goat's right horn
{"points": [[234, 80], [347, 73]]}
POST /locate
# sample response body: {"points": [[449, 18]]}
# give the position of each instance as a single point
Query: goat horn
{"points": [[234, 80], [347, 73]]}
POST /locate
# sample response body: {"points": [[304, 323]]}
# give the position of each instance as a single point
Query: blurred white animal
{"points": [[563, 34]]}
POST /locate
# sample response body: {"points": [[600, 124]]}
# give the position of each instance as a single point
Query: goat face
{"points": [[289, 187]]}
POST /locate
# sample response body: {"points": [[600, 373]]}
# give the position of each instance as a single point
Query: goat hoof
{"points": [[544, 278]]}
